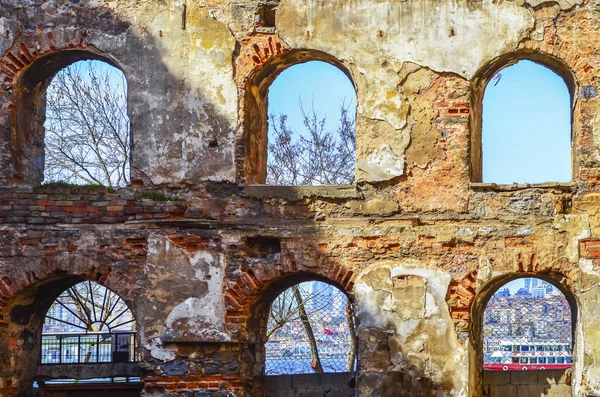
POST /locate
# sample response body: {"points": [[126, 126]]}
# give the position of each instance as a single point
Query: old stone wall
{"points": [[310, 385], [198, 248], [527, 383]]}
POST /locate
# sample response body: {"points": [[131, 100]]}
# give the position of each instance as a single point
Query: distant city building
{"points": [[503, 292], [539, 292], [531, 283], [531, 327], [523, 293]]}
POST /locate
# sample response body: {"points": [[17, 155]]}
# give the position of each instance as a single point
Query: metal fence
{"points": [[325, 338], [527, 326], [89, 348]]}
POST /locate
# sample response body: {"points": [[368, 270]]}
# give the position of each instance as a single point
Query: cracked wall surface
{"points": [[417, 243]]}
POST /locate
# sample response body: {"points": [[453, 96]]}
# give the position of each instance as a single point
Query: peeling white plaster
{"points": [[525, 231], [485, 230], [587, 266], [201, 319], [7, 27], [200, 316], [382, 165], [198, 82], [409, 332], [563, 4], [400, 31], [465, 231], [572, 250], [159, 352]]}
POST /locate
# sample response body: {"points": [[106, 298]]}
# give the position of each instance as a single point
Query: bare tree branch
{"points": [[315, 156], [87, 128]]}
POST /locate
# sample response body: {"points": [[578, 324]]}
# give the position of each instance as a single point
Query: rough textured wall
{"points": [[418, 245]]}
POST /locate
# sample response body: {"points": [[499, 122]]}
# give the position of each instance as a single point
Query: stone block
{"points": [[282, 393], [561, 390], [524, 377], [314, 392], [336, 380], [348, 392], [554, 377], [306, 381], [531, 391], [496, 378], [503, 391], [277, 383]]}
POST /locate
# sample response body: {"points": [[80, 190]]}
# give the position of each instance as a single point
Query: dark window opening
{"points": [[263, 247], [265, 16]]}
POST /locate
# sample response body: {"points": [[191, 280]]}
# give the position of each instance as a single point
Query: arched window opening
{"points": [[311, 137], [526, 130], [310, 330], [87, 130], [527, 325], [88, 323]]}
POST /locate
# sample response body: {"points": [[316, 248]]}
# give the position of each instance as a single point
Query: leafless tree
{"points": [[315, 156], [312, 342], [87, 135], [291, 305]]}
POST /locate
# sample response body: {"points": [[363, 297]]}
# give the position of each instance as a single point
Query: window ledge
{"points": [[294, 193], [511, 187]]}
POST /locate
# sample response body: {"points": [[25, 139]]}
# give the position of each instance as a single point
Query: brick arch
{"points": [[26, 294], [467, 294], [461, 294], [260, 60], [18, 281], [255, 52], [21, 56], [254, 289], [488, 289], [25, 73], [485, 292], [248, 298]]}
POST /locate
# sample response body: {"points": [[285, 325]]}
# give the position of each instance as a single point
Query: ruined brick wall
{"points": [[419, 246]]}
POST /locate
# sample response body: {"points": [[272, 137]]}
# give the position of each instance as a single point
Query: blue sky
{"points": [[312, 82], [514, 285], [526, 126], [526, 116]]}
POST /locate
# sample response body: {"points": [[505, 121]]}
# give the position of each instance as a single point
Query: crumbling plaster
{"points": [[404, 300], [417, 244]]}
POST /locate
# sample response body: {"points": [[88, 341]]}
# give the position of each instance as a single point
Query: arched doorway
{"points": [[88, 345]]}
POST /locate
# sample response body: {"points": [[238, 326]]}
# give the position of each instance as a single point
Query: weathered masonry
{"points": [[418, 243]]}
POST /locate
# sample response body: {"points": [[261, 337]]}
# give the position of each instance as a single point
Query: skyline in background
{"points": [[514, 285]]}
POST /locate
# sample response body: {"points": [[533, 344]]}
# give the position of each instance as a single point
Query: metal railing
{"points": [[528, 329], [116, 347]]}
